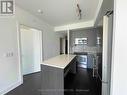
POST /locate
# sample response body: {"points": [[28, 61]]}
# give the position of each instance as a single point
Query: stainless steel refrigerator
{"points": [[107, 53]]}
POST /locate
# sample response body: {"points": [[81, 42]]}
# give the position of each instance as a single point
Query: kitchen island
{"points": [[53, 72]]}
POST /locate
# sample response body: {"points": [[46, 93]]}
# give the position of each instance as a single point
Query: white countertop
{"points": [[60, 61]]}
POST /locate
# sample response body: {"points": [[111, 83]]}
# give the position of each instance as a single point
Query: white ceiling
{"points": [[60, 12]]}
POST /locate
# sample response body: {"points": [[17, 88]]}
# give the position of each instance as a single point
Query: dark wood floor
{"points": [[80, 84]]}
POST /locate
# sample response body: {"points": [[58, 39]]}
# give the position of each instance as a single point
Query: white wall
{"points": [[119, 68], [10, 67], [50, 39], [10, 75]]}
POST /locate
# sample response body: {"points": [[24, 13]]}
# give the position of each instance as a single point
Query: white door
{"points": [[31, 50], [107, 53]]}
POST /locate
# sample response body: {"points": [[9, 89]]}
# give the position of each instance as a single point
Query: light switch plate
{"points": [[8, 54]]}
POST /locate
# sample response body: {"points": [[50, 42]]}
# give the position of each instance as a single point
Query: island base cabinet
{"points": [[52, 80]]}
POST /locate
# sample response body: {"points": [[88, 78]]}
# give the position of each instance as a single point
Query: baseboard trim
{"points": [[11, 87], [32, 73]]}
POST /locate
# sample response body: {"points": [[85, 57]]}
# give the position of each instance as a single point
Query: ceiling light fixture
{"points": [[40, 11]]}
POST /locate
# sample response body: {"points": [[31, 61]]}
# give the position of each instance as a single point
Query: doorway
{"points": [[62, 45], [31, 49]]}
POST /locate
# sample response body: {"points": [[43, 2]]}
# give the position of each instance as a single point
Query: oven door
{"points": [[82, 61]]}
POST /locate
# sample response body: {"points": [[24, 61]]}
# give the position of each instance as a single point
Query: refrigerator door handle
{"points": [[104, 82]]}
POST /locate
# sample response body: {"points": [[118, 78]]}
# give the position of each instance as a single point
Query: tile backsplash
{"points": [[91, 35]]}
